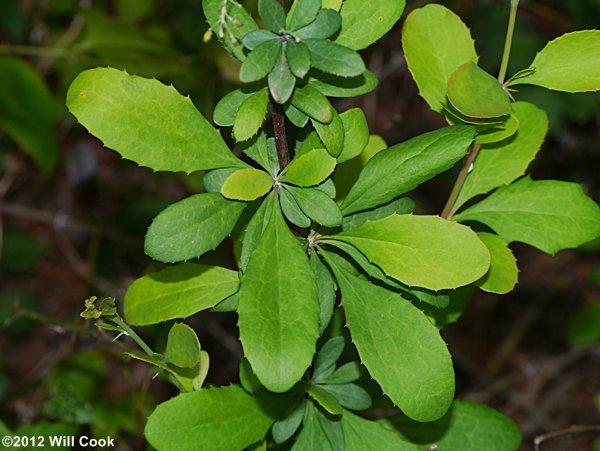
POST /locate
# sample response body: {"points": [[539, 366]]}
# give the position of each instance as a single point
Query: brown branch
{"points": [[576, 429], [278, 118]]}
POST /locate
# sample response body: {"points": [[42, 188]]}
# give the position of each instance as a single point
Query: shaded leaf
{"points": [[281, 80], [326, 24], [311, 102], [335, 59], [317, 205], [260, 61]]}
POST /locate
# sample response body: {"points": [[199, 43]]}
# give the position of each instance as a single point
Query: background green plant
{"points": [[292, 191]]}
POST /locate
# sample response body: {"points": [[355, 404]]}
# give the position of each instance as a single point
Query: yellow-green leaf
{"points": [[504, 273], [247, 184]]}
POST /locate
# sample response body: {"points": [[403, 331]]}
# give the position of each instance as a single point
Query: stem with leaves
{"points": [[450, 207]]}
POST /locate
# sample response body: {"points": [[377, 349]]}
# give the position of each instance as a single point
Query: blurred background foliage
{"points": [[73, 216]]}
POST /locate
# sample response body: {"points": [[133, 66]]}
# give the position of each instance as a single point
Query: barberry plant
{"points": [[325, 236]]}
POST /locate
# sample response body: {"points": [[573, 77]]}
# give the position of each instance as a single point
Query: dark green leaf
{"points": [[326, 358], [312, 437], [332, 135], [335, 59], [317, 205], [247, 377], [272, 14], [20, 251], [191, 227], [583, 327], [333, 86], [296, 117], [311, 102], [366, 435], [303, 12], [400, 206], [281, 80], [326, 288], [350, 396], [264, 154], [283, 429], [260, 61], [345, 374], [298, 57], [327, 23], [332, 426], [292, 210], [256, 38], [403, 167], [213, 180]]}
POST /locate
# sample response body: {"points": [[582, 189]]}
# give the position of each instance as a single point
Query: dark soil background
{"points": [[78, 230]]}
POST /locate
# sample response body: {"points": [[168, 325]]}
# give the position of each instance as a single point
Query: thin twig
{"points": [[508, 43], [575, 429]]}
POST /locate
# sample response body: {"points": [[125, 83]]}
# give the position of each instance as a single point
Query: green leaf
{"points": [[326, 290], [230, 30], [401, 349], [435, 42], [327, 23], [226, 109], [292, 211], [569, 63], [363, 23], [325, 399], [361, 434], [247, 377], [298, 57], [296, 117], [497, 133], [255, 229], [272, 14], [177, 292], [332, 426], [247, 184], [261, 151], [502, 163], [311, 102], [403, 167], [310, 168], [260, 61], [504, 273], [312, 436], [183, 346], [335, 59], [329, 353], [188, 421], [147, 122], [281, 80], [348, 372], [583, 328], [347, 173], [256, 38], [27, 111], [336, 5], [302, 13], [549, 214], [333, 86], [491, 99], [350, 396], [356, 134], [317, 205], [250, 116], [332, 134], [401, 206], [283, 429], [467, 426], [278, 310], [189, 228], [213, 180], [422, 251]]}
